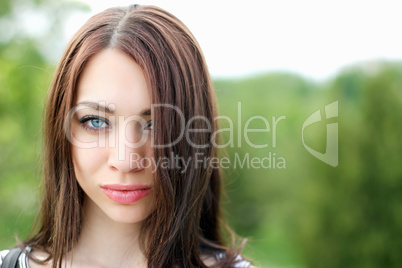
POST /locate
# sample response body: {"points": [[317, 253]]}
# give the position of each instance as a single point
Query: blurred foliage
{"points": [[25, 74], [311, 214], [307, 214]]}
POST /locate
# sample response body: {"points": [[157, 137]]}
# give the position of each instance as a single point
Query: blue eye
{"points": [[94, 123], [148, 128], [149, 125]]}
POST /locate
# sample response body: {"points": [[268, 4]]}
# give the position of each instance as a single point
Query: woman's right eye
{"points": [[95, 124]]}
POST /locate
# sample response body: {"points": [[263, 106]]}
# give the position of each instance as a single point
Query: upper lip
{"points": [[128, 187]]}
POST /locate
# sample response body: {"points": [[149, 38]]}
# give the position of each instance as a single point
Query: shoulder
{"points": [[3, 253], [240, 262], [22, 260]]}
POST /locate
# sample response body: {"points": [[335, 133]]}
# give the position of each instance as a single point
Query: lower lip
{"points": [[126, 197]]}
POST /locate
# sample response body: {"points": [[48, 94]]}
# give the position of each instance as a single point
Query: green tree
{"points": [[25, 74]]}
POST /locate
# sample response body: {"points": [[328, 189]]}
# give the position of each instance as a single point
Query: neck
{"points": [[106, 243]]}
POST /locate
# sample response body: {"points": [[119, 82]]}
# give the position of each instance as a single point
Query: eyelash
{"points": [[83, 122]]}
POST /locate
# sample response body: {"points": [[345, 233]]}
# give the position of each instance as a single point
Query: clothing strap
{"points": [[11, 259]]}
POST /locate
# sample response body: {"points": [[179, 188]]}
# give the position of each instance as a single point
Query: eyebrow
{"points": [[100, 107]]}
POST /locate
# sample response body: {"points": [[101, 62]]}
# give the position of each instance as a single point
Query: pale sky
{"points": [[313, 38]]}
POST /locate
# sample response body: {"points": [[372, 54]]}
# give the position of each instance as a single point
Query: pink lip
{"points": [[125, 194]]}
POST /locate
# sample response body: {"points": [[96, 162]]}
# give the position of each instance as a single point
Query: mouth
{"points": [[125, 194]]}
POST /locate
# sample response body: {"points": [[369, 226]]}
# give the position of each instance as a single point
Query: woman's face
{"points": [[111, 135]]}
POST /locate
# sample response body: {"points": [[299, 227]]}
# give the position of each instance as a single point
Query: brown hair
{"points": [[187, 219]]}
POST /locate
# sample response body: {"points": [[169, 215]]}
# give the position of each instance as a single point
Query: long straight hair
{"points": [[187, 220]]}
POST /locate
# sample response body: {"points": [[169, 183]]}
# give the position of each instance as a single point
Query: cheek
{"points": [[88, 162], [149, 151]]}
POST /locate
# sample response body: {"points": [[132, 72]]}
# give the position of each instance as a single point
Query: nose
{"points": [[128, 154], [131, 160]]}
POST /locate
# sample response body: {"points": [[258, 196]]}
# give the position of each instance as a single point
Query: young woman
{"points": [[129, 134]]}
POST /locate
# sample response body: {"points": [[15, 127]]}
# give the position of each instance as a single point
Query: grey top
{"points": [[23, 259]]}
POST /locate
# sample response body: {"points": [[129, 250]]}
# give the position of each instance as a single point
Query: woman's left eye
{"points": [[149, 125], [94, 123]]}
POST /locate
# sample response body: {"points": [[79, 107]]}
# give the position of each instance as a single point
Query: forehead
{"points": [[112, 77]]}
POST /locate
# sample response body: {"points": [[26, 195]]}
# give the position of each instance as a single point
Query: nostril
{"points": [[128, 164]]}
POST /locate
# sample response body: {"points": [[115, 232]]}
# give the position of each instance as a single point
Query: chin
{"points": [[103, 210], [128, 215]]}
